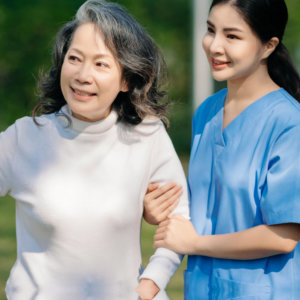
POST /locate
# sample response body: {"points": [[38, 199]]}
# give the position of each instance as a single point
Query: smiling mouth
{"points": [[218, 63], [82, 93]]}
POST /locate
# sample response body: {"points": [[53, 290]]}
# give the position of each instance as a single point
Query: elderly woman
{"points": [[80, 170]]}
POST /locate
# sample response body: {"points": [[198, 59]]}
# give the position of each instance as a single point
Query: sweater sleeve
{"points": [[166, 167], [7, 148]]}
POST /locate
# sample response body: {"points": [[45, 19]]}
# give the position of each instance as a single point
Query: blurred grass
{"points": [[8, 247], [7, 240]]}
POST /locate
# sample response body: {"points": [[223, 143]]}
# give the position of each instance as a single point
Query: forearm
{"points": [[254, 243], [163, 264]]}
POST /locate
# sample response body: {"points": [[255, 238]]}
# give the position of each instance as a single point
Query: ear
{"points": [[270, 46], [124, 86]]}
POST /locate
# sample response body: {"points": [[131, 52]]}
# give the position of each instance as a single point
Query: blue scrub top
{"points": [[243, 176]]}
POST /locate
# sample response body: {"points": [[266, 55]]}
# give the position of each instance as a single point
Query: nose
{"points": [[216, 45], [84, 74]]}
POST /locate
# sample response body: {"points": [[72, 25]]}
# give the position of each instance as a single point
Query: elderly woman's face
{"points": [[91, 77]]}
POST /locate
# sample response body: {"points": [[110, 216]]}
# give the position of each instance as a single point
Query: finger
{"points": [[167, 202], [157, 204], [160, 230], [158, 237], [164, 223], [170, 189], [159, 240], [159, 234], [163, 215], [152, 187], [163, 189], [159, 244], [170, 209]]}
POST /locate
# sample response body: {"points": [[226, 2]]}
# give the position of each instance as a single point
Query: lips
{"points": [[82, 93], [219, 64]]}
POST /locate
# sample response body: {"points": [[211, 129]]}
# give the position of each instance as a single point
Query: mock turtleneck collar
{"points": [[83, 126]]}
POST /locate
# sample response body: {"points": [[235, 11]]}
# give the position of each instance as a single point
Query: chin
{"points": [[219, 78]]}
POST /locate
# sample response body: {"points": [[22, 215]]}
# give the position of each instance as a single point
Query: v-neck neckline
{"points": [[224, 133]]}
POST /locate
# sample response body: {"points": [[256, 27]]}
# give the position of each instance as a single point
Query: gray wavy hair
{"points": [[141, 60]]}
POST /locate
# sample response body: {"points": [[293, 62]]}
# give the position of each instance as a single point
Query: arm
{"points": [[279, 206], [178, 234], [165, 167]]}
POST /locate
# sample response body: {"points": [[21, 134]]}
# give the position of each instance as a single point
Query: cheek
{"points": [[62, 73], [206, 43], [65, 75], [64, 81]]}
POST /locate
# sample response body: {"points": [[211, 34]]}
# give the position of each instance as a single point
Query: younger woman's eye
{"points": [[210, 30], [232, 36], [73, 58]]}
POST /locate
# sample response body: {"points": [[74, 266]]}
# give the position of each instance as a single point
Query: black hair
{"points": [[268, 19], [143, 65]]}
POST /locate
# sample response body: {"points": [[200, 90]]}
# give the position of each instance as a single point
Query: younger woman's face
{"points": [[91, 77], [232, 48]]}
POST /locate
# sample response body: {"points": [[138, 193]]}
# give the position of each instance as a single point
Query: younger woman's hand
{"points": [[159, 202], [178, 234], [147, 289]]}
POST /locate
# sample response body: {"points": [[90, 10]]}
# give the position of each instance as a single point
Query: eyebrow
{"points": [[100, 55], [225, 29]]}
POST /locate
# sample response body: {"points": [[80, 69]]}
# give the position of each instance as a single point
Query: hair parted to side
{"points": [[141, 61], [268, 19]]}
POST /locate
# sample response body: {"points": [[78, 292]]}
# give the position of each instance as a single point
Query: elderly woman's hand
{"points": [[147, 289], [159, 202]]}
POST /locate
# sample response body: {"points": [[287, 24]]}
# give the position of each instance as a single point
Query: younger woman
{"points": [[244, 174], [80, 171]]}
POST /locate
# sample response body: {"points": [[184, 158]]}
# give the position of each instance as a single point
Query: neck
{"points": [[252, 87]]}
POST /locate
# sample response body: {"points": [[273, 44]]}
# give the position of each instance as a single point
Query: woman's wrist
{"points": [[147, 289]]}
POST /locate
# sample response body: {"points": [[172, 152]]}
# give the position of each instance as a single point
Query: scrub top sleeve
{"points": [[280, 202], [166, 167], [7, 149]]}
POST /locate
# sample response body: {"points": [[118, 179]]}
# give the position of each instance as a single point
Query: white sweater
{"points": [[79, 193]]}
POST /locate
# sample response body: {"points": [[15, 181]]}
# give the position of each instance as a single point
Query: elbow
{"points": [[288, 246]]}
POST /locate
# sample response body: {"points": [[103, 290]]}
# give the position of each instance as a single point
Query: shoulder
{"points": [[288, 102], [29, 125], [286, 110], [211, 104], [150, 131], [19, 124], [282, 120], [148, 127], [25, 127]]}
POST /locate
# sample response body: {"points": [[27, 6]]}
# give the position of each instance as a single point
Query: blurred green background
{"points": [[27, 31]]}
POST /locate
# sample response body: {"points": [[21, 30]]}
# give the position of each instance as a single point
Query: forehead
{"points": [[88, 33], [225, 15], [89, 41]]}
